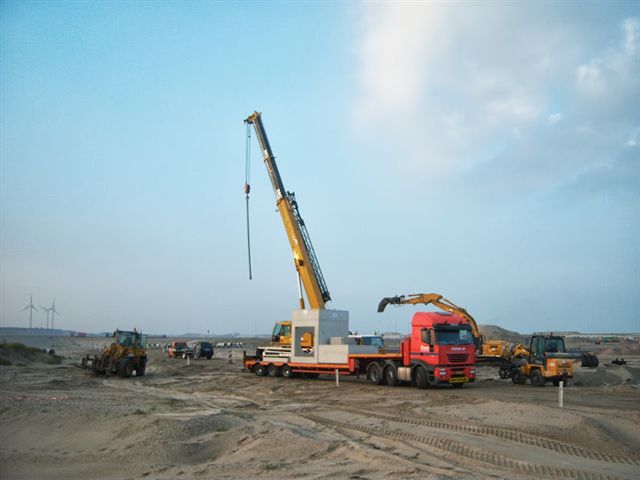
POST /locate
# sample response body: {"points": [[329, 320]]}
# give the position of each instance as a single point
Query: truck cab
{"points": [[442, 345]]}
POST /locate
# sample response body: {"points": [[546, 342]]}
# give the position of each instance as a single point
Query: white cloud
{"points": [[554, 118], [441, 86]]}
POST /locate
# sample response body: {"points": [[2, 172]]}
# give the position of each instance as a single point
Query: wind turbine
{"points": [[54, 312], [47, 310], [31, 309]]}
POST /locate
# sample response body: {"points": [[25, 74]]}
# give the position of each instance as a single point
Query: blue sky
{"points": [[488, 153]]}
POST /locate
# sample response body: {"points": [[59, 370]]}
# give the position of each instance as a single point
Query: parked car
{"points": [[199, 349], [176, 349]]}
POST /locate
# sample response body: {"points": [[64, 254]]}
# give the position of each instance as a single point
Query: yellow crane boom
{"points": [[304, 257]]}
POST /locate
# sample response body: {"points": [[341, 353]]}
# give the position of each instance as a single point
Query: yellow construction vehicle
{"points": [[124, 356], [545, 360], [304, 258], [487, 351]]}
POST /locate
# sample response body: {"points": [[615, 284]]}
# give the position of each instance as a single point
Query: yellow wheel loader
{"points": [[546, 360], [124, 356]]}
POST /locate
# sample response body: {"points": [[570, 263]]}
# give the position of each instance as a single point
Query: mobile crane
{"points": [[304, 257], [316, 341]]}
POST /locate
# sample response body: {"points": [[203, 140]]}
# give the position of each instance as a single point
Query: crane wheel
{"points": [[273, 370], [420, 377], [374, 374], [391, 375], [260, 370]]}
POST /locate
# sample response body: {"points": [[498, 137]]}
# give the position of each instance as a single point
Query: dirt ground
{"points": [[208, 419]]}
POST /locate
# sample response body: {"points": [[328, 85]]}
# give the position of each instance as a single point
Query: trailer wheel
{"points": [[273, 370], [537, 380], [260, 370], [374, 374], [391, 375], [287, 371], [420, 377]]}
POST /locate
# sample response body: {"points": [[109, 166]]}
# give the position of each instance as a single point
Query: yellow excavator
{"points": [[487, 351], [304, 258]]}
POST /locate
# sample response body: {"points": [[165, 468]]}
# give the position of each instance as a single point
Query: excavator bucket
{"points": [[397, 300]]}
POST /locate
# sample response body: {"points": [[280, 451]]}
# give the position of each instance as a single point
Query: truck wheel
{"points": [[286, 371], [260, 370], [125, 367], [391, 375], [518, 377], [421, 377], [537, 380], [374, 374], [273, 370]]}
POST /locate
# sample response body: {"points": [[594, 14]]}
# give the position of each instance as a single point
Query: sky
{"points": [[486, 152]]}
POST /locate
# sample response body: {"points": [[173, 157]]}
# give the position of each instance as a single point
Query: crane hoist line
{"points": [[305, 260]]}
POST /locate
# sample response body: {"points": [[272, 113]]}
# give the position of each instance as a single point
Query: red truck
{"points": [[439, 350]]}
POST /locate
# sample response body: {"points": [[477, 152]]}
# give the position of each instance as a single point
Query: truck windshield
{"points": [[453, 335]]}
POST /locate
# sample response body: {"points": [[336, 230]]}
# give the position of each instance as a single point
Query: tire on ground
{"points": [[287, 371], [374, 374], [125, 367], [391, 375], [420, 377], [260, 370], [273, 370], [537, 380]]}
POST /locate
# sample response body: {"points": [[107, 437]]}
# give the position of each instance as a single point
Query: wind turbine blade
{"points": [[26, 308]]}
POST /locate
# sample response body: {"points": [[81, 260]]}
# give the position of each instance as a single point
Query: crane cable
{"points": [[247, 189]]}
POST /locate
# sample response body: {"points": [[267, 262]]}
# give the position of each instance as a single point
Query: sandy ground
{"points": [[207, 419]]}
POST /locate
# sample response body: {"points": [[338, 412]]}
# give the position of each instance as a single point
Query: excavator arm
{"points": [[433, 299]]}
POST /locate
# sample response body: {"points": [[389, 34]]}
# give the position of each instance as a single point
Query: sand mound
{"points": [[623, 349], [20, 354], [607, 375], [497, 333]]}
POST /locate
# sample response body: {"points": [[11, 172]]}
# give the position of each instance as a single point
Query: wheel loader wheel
{"points": [[518, 377], [537, 380], [125, 367], [374, 374], [421, 377], [140, 371]]}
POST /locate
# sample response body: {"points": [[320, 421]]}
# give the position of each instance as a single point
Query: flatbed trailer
{"points": [[356, 364]]}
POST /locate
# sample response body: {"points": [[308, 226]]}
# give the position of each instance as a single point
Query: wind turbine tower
{"points": [[46, 310], [54, 312], [31, 309]]}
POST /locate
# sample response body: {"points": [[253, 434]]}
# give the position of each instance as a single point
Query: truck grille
{"points": [[457, 357]]}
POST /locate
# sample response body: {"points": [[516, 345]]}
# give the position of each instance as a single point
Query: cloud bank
{"points": [[526, 96]]}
